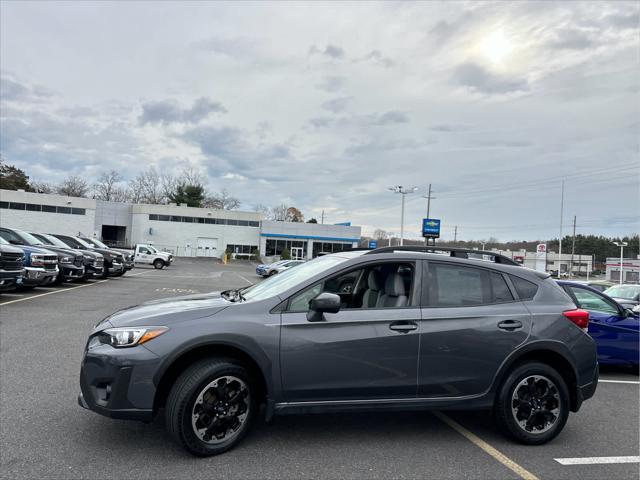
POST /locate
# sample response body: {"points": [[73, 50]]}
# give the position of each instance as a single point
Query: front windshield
{"points": [[153, 249], [289, 278], [55, 241], [96, 242], [629, 292], [83, 243], [29, 239]]}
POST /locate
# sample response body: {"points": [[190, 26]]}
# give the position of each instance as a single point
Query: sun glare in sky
{"points": [[495, 47]]}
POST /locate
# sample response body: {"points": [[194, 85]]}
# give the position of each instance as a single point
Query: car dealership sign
{"points": [[541, 257], [431, 227]]}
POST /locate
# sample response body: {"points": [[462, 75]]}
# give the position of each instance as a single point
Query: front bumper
{"points": [[116, 268], [118, 382], [72, 272], [10, 279], [35, 276]]}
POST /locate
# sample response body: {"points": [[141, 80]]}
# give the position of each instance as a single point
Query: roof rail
{"points": [[453, 252]]}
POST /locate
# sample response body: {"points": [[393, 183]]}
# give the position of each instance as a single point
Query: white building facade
{"points": [[182, 230], [630, 269], [579, 265]]}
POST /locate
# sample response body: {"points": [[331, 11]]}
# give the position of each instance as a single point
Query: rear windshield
{"points": [[629, 292]]}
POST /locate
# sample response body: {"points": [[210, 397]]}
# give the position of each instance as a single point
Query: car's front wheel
{"points": [[211, 406], [158, 264], [532, 405]]}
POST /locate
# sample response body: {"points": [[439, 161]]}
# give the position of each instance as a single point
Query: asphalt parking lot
{"points": [[45, 434]]}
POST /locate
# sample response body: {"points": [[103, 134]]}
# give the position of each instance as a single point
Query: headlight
{"points": [[66, 260], [121, 337], [636, 308], [37, 260]]}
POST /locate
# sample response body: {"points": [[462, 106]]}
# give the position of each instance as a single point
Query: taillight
{"points": [[579, 317]]}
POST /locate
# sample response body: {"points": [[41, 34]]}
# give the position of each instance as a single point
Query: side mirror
{"points": [[321, 304], [15, 242]]}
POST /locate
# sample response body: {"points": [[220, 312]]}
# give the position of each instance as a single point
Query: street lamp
{"points": [[621, 245], [403, 191]]}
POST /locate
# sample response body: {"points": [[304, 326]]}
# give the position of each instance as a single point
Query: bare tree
{"points": [[148, 187], [42, 187], [279, 213], [73, 186], [106, 188], [263, 209], [221, 201], [380, 234]]}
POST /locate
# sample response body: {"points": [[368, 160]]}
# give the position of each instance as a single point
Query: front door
{"points": [[368, 350], [470, 324], [297, 253], [615, 334]]}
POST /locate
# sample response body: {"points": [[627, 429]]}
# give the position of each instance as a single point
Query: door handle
{"points": [[403, 326], [510, 325]]}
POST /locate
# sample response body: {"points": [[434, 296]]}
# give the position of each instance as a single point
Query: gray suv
{"points": [[392, 328]]}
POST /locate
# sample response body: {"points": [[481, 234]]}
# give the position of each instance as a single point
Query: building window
{"points": [[78, 211], [246, 249], [33, 207], [48, 208], [330, 247], [254, 224], [187, 219], [4, 204], [275, 247], [16, 206], [176, 219], [153, 217]]}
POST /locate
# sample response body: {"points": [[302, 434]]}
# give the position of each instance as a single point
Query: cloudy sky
{"points": [[325, 106]]}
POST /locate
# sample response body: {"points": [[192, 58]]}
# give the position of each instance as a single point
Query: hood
{"points": [[168, 311], [63, 252], [29, 249]]}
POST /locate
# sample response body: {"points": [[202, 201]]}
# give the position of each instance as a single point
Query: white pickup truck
{"points": [[150, 255]]}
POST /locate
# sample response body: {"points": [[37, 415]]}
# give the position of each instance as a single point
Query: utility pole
{"points": [[573, 247], [561, 220], [455, 234], [621, 244], [402, 191], [429, 198], [322, 218]]}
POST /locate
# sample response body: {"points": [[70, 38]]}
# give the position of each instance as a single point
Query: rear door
{"points": [[470, 323], [359, 353]]}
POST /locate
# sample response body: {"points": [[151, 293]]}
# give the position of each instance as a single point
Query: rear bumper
{"points": [[585, 392]]}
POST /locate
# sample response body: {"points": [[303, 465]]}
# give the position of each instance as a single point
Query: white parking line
{"points": [[596, 460], [52, 293], [478, 442], [245, 279], [632, 382]]}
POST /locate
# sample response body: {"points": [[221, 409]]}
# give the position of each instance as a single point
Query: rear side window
{"points": [[526, 289], [499, 289]]}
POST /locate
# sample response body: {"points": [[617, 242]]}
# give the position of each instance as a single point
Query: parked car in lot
{"points": [[70, 262], [11, 266], [277, 267], [416, 330], [149, 255], [127, 255], [40, 265], [600, 285], [626, 295], [615, 329], [113, 261], [93, 261]]}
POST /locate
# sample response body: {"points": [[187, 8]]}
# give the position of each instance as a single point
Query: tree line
{"points": [[148, 187]]}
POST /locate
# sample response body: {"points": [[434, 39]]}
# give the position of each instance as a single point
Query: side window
{"points": [[499, 289], [592, 301], [144, 250], [526, 289], [384, 285], [454, 286]]}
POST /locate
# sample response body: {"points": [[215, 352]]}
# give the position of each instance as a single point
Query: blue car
{"points": [[614, 328]]}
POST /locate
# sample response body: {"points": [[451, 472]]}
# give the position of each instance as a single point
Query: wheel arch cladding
{"points": [[551, 357], [211, 350]]}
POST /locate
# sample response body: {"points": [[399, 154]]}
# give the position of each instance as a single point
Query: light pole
{"points": [[621, 245], [402, 191]]}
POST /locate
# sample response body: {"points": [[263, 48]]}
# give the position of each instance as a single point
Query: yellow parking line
{"points": [[52, 293], [478, 442]]}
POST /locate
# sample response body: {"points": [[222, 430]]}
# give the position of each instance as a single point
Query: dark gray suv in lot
{"points": [[392, 328]]}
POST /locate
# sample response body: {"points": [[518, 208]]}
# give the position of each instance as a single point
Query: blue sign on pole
{"points": [[373, 244], [431, 227]]}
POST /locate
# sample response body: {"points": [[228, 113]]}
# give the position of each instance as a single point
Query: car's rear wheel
{"points": [[532, 405], [158, 264], [211, 407]]}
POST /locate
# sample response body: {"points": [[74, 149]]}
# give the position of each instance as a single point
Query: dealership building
{"points": [[184, 231]]}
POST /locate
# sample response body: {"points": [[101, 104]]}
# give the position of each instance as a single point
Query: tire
{"points": [[158, 264], [272, 273], [515, 399], [191, 390], [105, 270], [120, 273]]}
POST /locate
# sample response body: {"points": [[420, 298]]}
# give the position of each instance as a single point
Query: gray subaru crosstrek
{"points": [[392, 328]]}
